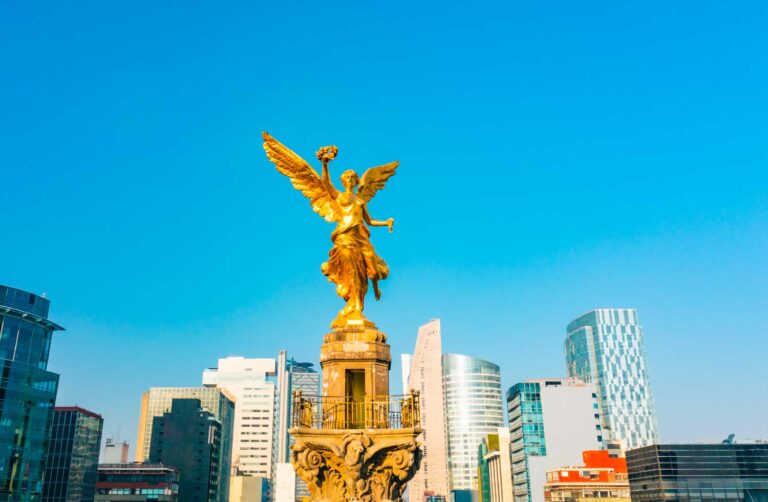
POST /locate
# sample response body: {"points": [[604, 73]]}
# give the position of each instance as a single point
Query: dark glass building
{"points": [[699, 472], [73, 455], [137, 483], [189, 438], [27, 393]]}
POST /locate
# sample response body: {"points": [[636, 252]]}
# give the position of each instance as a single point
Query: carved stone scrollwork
{"points": [[369, 466]]}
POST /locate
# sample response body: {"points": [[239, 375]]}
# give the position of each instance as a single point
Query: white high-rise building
{"points": [[461, 403], [248, 380], [605, 346], [551, 422], [425, 374]]}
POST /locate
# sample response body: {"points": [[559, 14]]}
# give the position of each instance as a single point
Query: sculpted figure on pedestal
{"points": [[352, 261]]}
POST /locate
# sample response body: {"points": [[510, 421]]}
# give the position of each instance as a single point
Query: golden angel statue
{"points": [[352, 261]]}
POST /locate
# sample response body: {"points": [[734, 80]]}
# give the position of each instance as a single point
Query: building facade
{"points": [[158, 400], [551, 422], [28, 390], [73, 455], [115, 452], [697, 472], [423, 372], [292, 376], [189, 438], [601, 477], [251, 383], [606, 347], [137, 483], [248, 489], [483, 475], [284, 484], [499, 467], [473, 409]]}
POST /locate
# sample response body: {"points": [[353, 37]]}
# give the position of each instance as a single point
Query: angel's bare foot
{"points": [[376, 290]]}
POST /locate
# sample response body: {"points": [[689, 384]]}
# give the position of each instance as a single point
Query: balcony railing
{"points": [[381, 412]]}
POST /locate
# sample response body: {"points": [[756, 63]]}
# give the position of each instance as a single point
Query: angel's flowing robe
{"points": [[352, 260]]}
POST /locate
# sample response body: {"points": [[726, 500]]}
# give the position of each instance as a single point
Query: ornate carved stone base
{"points": [[356, 465]]}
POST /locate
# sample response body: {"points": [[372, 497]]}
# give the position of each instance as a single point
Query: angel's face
{"points": [[349, 179]]}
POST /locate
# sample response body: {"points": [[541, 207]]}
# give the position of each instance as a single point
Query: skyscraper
{"points": [[425, 374], [28, 390], [461, 403], [292, 376], [218, 402], [605, 346], [189, 438], [73, 455], [248, 380], [473, 409], [551, 422]]}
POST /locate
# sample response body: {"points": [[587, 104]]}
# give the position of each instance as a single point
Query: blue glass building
{"points": [[605, 347], [27, 393], [73, 455]]}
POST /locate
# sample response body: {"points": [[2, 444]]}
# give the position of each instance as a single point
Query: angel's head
{"points": [[349, 179]]}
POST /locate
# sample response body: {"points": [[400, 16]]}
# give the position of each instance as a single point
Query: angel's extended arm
{"points": [[327, 183], [377, 223]]}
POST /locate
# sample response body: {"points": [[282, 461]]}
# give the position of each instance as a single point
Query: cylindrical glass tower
{"points": [[473, 409]]}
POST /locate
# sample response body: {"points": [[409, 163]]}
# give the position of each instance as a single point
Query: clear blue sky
{"points": [[555, 157]]}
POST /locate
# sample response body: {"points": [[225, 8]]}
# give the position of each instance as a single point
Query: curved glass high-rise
{"points": [[27, 393], [473, 409]]}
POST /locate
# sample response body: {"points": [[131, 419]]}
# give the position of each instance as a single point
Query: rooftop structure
{"points": [[137, 483], [600, 477]]}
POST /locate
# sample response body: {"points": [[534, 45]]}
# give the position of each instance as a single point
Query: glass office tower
{"points": [[473, 409], [158, 401], [73, 455], [699, 472], [27, 393], [190, 439], [605, 346]]}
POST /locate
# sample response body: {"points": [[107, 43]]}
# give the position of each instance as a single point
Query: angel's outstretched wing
{"points": [[374, 180], [304, 178]]}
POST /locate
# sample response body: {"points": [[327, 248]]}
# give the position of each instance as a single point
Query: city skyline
{"points": [[627, 174]]}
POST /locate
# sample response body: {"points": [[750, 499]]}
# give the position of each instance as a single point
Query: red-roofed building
{"points": [[601, 477]]}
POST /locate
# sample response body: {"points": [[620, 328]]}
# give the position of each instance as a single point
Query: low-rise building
{"points": [[137, 483], [244, 488], [496, 460], [601, 477], [688, 472]]}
